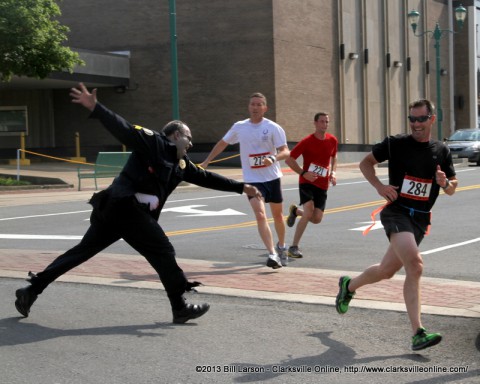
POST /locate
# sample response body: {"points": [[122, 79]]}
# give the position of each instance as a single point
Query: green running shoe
{"points": [[344, 295], [423, 340]]}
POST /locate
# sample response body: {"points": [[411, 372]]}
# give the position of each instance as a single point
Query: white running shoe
{"points": [[274, 261]]}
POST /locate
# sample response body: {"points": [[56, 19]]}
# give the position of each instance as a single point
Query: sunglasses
{"points": [[420, 119]]}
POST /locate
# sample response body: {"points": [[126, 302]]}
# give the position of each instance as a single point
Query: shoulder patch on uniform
{"points": [[147, 131]]}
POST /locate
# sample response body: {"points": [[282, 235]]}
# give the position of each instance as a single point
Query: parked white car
{"points": [[465, 143]]}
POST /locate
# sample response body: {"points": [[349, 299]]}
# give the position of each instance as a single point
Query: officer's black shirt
{"points": [[153, 167]]}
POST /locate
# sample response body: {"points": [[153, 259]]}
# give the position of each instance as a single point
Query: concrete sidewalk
{"points": [[68, 173], [242, 278], [307, 285]]}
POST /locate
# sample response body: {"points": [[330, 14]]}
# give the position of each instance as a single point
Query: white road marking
{"points": [[45, 215], [191, 211], [39, 237], [378, 225], [451, 246]]}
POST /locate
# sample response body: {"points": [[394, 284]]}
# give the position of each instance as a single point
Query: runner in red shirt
{"points": [[319, 152]]}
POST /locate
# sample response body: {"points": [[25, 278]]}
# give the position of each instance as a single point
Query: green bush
{"points": [[10, 182]]}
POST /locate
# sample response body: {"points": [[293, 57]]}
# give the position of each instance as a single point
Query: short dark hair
{"points": [[172, 127], [259, 95], [423, 103], [318, 114]]}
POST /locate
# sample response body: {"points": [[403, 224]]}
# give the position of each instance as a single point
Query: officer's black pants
{"points": [[132, 221]]}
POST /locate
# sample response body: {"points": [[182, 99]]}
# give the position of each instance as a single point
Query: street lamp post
{"points": [[174, 60], [437, 33]]}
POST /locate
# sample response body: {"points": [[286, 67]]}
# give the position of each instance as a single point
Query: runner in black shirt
{"points": [[418, 168]]}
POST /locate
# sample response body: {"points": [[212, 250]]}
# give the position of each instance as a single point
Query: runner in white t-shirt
{"points": [[263, 144], [257, 141]]}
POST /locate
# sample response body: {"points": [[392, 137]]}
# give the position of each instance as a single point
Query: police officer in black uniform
{"points": [[130, 207]]}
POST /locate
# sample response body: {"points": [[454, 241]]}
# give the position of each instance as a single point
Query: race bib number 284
{"points": [[416, 188]]}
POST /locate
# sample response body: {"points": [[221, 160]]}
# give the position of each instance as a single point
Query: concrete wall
{"points": [[462, 79], [306, 60], [422, 80]]}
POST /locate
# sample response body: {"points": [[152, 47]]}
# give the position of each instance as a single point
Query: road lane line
{"points": [[44, 215], [451, 246]]}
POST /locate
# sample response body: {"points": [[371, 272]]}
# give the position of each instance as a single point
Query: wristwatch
{"points": [[446, 185]]}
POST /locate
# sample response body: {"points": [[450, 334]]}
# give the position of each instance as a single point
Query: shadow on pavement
{"points": [[14, 332], [338, 355]]}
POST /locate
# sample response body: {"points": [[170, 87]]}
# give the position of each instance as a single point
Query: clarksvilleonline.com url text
{"points": [[402, 369]]}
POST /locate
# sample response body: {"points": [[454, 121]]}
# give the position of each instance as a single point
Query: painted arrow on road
{"points": [[377, 225], [191, 211]]}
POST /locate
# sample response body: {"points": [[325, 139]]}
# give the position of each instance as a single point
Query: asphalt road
{"points": [[217, 226], [81, 333]]}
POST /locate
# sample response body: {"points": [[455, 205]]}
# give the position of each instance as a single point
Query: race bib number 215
{"points": [[256, 160]]}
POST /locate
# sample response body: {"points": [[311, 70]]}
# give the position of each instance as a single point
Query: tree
{"points": [[31, 40]]}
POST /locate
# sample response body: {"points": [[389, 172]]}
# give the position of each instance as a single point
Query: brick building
{"points": [[358, 60]]}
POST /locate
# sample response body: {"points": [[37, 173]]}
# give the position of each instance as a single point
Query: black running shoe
{"points": [[292, 215]]}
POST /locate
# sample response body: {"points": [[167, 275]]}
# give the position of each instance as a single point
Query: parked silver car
{"points": [[465, 143]]}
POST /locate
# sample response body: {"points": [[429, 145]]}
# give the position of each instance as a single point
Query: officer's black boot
{"points": [[190, 311], [26, 297]]}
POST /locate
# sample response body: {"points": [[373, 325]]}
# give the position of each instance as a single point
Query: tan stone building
{"points": [[356, 59]]}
